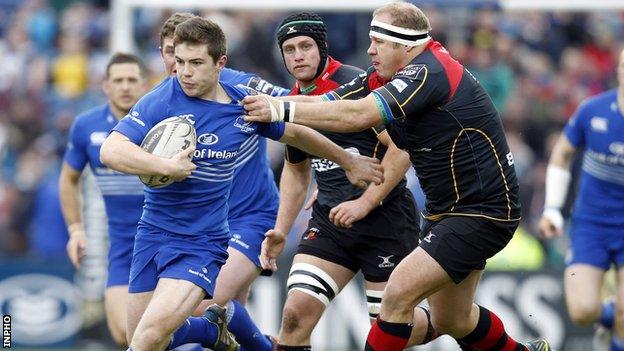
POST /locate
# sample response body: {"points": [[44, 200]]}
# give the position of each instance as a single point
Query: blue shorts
{"points": [[248, 234], [119, 260], [161, 254], [596, 245]]}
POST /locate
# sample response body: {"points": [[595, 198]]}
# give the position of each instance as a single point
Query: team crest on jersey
{"points": [[242, 125], [411, 72], [599, 124], [311, 234], [97, 138]]}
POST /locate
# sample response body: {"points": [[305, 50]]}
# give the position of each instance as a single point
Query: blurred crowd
{"points": [[537, 67]]}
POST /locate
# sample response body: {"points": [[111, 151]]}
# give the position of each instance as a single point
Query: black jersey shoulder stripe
{"points": [[346, 73], [422, 83]]}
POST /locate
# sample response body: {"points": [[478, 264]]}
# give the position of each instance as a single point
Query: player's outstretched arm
{"points": [[395, 163], [294, 183], [360, 170], [71, 205], [336, 116], [121, 154], [558, 178], [301, 98]]}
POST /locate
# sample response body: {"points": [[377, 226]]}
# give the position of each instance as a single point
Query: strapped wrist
{"points": [[557, 182], [75, 227]]}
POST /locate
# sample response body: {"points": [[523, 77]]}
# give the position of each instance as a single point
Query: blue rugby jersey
{"points": [[253, 189], [197, 205], [597, 127], [123, 194]]}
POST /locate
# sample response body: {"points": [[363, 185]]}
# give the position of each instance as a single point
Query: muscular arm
{"points": [[557, 183], [121, 154], [301, 98], [69, 193], [357, 167], [294, 184], [563, 153], [395, 162], [71, 205], [293, 188], [336, 116]]}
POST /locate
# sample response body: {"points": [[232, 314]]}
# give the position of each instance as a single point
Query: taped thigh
{"points": [[313, 281]]}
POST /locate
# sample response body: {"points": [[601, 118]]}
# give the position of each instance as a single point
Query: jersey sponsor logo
{"points": [[237, 238], [411, 72], [208, 139], [399, 85], [617, 148], [429, 237], [510, 159], [218, 154], [385, 262], [324, 165], [423, 149], [201, 274], [242, 125], [134, 115], [97, 138], [599, 124]]}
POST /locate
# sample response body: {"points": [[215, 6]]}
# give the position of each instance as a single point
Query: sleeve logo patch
{"points": [[411, 71], [399, 85]]}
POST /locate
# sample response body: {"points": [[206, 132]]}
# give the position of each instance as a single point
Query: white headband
{"points": [[400, 35]]}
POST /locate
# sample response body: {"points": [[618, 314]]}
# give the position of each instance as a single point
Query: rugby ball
{"points": [[165, 139]]}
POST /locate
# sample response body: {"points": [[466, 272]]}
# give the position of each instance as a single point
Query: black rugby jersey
{"points": [[437, 111], [333, 185]]}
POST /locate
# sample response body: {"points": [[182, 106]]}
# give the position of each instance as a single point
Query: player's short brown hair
{"points": [[122, 57], [167, 29], [405, 15], [198, 31]]}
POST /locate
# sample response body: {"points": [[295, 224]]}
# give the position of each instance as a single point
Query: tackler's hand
{"points": [[261, 108], [362, 170]]}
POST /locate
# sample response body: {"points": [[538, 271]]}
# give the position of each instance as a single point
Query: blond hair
{"points": [[405, 15]]}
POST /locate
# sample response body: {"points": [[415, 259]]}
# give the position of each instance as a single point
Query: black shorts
{"points": [[462, 244], [375, 244]]}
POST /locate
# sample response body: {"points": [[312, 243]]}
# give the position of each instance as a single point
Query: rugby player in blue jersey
{"points": [[597, 228], [125, 82], [253, 204], [183, 234]]}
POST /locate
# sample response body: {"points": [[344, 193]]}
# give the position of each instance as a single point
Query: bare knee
{"points": [[119, 336], [398, 297], [291, 319], [584, 314], [148, 338], [297, 318]]}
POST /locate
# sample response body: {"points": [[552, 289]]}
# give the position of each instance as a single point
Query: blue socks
{"points": [[200, 330], [617, 344], [608, 314], [244, 329], [194, 330]]}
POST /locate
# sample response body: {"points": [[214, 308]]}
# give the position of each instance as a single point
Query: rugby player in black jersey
{"points": [[351, 229], [439, 113]]}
